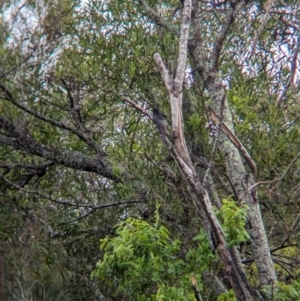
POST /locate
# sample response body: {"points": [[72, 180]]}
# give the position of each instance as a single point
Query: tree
{"points": [[77, 86]]}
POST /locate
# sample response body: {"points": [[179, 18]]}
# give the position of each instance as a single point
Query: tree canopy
{"points": [[100, 201]]}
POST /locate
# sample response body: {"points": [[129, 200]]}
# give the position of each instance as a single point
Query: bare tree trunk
{"points": [[206, 64], [181, 155]]}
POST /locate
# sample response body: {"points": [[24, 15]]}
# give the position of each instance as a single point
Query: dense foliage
{"points": [[81, 160]]}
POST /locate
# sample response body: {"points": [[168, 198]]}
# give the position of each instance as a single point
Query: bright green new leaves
{"points": [[138, 249], [288, 292], [143, 261], [201, 257], [234, 220], [227, 296]]}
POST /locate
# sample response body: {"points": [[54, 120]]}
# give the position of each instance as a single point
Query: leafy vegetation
{"points": [[81, 160]]}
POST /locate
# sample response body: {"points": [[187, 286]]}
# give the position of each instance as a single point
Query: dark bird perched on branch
{"points": [[160, 121]]}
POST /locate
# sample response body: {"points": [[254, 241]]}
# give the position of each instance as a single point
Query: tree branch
{"points": [[136, 106], [74, 105], [153, 15], [77, 205], [3, 74], [230, 17], [41, 166], [183, 42], [73, 159], [293, 71], [236, 142], [278, 179], [163, 71], [268, 6], [79, 133]]}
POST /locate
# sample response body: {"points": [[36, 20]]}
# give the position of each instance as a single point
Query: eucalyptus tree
{"points": [[78, 84]]}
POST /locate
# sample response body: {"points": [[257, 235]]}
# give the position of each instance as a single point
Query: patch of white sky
{"points": [[279, 53], [25, 25], [26, 22], [21, 20], [28, 33], [276, 54]]}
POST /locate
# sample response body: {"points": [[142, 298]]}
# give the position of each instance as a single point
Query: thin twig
{"points": [[282, 247], [159, 20], [264, 21], [42, 166], [276, 180], [59, 124], [218, 43], [136, 106], [93, 207], [3, 74], [293, 71]]}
